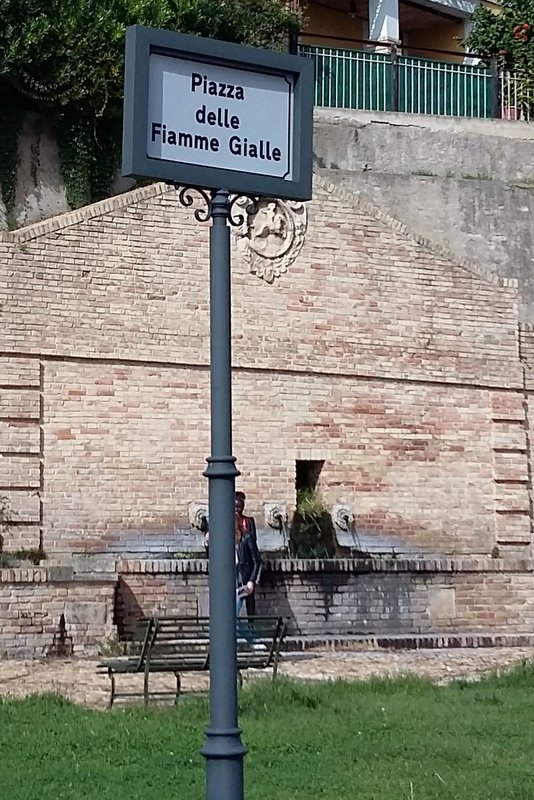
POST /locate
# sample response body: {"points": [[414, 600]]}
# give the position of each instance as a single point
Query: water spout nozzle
{"points": [[275, 516], [198, 517], [343, 517]]}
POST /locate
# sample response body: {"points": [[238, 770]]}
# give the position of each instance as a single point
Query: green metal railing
{"points": [[446, 88], [385, 81]]}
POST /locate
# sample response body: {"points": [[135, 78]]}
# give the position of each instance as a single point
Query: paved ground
{"points": [[78, 680]]}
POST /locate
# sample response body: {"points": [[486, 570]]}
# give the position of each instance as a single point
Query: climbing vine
{"points": [[11, 120], [106, 156], [74, 134], [66, 59]]}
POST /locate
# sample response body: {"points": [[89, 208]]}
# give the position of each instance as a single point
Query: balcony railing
{"points": [[379, 78], [516, 99]]}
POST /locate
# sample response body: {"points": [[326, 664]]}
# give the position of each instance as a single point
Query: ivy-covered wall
{"points": [[64, 63], [36, 189]]}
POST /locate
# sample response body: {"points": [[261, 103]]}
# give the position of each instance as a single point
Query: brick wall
{"points": [[382, 448], [33, 601], [375, 353], [21, 454], [381, 598]]}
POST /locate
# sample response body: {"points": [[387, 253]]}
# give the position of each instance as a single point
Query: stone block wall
{"points": [[463, 183], [34, 601]]}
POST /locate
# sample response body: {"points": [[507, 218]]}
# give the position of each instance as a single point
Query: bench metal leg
{"points": [[178, 687], [112, 694], [145, 688], [239, 679], [276, 662]]}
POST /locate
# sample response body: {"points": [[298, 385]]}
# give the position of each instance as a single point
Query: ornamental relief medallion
{"points": [[271, 236]]}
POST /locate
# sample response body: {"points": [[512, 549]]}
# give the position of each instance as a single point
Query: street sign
{"points": [[206, 113]]}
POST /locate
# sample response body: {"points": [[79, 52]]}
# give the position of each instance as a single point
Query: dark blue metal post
{"points": [[223, 749]]}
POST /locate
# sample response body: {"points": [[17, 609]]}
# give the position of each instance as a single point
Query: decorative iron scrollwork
{"points": [[186, 199], [237, 219], [248, 206]]}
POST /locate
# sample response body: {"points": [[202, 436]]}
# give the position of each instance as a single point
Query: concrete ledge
{"points": [[431, 122]]}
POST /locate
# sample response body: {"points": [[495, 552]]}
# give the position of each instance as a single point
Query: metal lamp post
{"points": [[205, 113], [223, 749]]}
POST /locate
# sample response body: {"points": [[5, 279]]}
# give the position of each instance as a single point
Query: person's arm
{"points": [[204, 528], [256, 558], [252, 528]]}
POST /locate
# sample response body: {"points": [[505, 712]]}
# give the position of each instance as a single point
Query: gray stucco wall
{"points": [[467, 185]]}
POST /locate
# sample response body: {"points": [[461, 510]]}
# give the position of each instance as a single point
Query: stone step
{"points": [[416, 641]]}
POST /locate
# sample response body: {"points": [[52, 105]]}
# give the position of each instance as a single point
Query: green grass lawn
{"points": [[379, 740]]}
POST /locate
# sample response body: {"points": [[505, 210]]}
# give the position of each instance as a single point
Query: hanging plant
{"points": [[312, 532]]}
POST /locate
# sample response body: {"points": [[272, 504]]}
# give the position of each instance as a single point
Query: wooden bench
{"points": [[181, 644]]}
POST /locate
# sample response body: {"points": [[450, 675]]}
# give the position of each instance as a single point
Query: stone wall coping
{"points": [[67, 574], [411, 641], [56, 574], [350, 565], [84, 214]]}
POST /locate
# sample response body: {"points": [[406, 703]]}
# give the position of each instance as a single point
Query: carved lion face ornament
{"points": [[272, 236]]}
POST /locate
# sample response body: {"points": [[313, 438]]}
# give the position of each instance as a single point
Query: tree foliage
{"points": [[67, 57], [507, 34], [72, 51]]}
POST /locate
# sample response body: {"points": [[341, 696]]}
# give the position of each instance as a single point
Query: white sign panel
{"points": [[216, 116]]}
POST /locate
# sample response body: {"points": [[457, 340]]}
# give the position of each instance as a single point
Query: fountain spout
{"points": [[276, 518], [344, 520]]}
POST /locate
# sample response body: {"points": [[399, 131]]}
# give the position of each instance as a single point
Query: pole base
{"points": [[224, 753]]}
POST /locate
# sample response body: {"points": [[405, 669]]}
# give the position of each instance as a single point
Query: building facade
{"points": [[417, 28]]}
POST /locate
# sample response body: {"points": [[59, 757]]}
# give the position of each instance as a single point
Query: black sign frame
{"points": [[142, 42]]}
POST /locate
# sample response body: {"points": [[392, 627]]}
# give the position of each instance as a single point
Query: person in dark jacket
{"points": [[248, 558], [248, 569], [247, 563]]}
